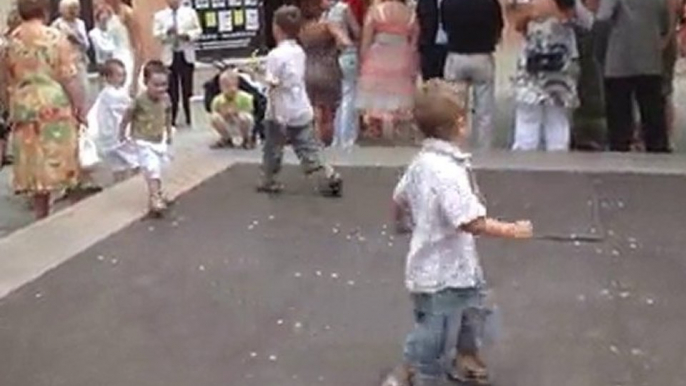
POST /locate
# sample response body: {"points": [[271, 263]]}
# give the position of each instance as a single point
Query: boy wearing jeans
{"points": [[438, 201], [290, 113]]}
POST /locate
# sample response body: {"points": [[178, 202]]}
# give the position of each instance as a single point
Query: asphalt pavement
{"points": [[236, 288]]}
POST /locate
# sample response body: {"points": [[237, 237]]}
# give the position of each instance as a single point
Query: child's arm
{"points": [[495, 228], [125, 122], [168, 123], [401, 210]]}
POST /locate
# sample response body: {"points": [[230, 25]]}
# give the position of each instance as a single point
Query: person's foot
{"points": [[399, 376], [223, 143], [333, 185], [157, 206], [270, 187], [248, 144], [470, 368]]}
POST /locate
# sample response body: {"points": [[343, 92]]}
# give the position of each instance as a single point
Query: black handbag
{"points": [[550, 60]]}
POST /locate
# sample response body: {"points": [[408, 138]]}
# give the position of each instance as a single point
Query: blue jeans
{"points": [[346, 124], [447, 322]]}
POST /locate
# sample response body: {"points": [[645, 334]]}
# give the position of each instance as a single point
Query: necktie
{"points": [[441, 36]]}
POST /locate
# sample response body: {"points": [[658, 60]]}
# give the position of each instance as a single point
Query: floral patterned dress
{"points": [[556, 87], [44, 128]]}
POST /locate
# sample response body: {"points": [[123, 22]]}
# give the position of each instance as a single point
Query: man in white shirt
{"points": [[177, 28]]}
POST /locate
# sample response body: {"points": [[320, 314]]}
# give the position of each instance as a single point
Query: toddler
{"points": [[232, 112], [105, 120], [438, 201], [150, 130]]}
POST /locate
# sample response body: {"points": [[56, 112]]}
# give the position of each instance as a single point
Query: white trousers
{"points": [[539, 123]]}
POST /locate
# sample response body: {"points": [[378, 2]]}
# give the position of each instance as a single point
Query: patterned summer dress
{"points": [[556, 88], [45, 131], [323, 74]]}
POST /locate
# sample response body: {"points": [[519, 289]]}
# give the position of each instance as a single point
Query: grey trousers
{"points": [[479, 71], [305, 145]]}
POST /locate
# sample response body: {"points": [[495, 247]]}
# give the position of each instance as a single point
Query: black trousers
{"points": [[181, 85], [433, 61], [619, 105]]}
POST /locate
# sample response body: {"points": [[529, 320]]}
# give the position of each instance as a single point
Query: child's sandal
{"points": [[224, 143], [270, 187]]}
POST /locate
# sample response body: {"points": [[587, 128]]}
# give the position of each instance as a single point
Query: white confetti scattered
{"points": [[201, 268], [251, 227], [253, 355], [39, 295], [279, 322], [632, 240], [151, 228], [114, 261], [335, 231], [620, 204], [272, 358], [624, 294], [650, 301], [611, 232], [101, 257], [599, 251], [298, 274], [255, 222], [390, 244], [605, 292], [577, 243], [327, 327], [318, 273], [384, 226], [636, 352], [581, 298], [391, 238], [334, 276], [175, 224], [361, 239], [614, 349], [348, 237], [272, 217], [298, 325], [633, 246], [351, 282], [383, 233], [615, 252]]}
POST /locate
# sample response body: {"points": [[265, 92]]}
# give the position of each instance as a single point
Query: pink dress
{"points": [[389, 67]]}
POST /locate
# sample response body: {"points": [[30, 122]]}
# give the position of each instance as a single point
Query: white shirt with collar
{"points": [[439, 194], [288, 101], [187, 23]]}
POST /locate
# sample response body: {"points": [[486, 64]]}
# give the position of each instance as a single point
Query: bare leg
{"points": [[41, 205]]}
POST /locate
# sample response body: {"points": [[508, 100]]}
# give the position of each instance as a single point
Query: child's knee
{"points": [[217, 120]]}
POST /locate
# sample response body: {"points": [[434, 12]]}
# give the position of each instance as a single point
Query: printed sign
{"points": [[231, 28]]}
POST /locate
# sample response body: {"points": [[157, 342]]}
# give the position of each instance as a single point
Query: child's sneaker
{"points": [[331, 182], [470, 368]]}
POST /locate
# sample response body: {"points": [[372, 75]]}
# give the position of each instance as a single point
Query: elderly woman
{"points": [[75, 30], [13, 20], [46, 104]]}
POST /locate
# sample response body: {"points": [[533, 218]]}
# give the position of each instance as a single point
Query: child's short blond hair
{"points": [[439, 106]]}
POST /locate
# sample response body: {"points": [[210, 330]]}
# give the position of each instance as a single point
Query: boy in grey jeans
{"points": [[438, 201], [290, 113]]}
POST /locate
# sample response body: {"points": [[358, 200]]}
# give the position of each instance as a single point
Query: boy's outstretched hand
{"points": [[523, 230]]}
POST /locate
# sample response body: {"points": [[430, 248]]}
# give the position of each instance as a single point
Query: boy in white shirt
{"points": [[290, 113], [437, 200]]}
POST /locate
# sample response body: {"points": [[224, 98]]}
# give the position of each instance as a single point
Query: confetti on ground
{"points": [[318, 273], [334, 276], [201, 268], [39, 295], [101, 257], [581, 298], [636, 352], [624, 294], [253, 355], [175, 224], [351, 283], [114, 261], [272, 218], [272, 358], [279, 322], [650, 301], [151, 228], [614, 350], [298, 274]]}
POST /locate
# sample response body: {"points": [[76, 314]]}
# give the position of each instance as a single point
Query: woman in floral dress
{"points": [[46, 104]]}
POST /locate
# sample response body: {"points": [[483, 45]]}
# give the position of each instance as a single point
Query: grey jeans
{"points": [[479, 71], [446, 323], [304, 142]]}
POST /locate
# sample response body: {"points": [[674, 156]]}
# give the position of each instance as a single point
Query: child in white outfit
{"points": [[105, 117]]}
